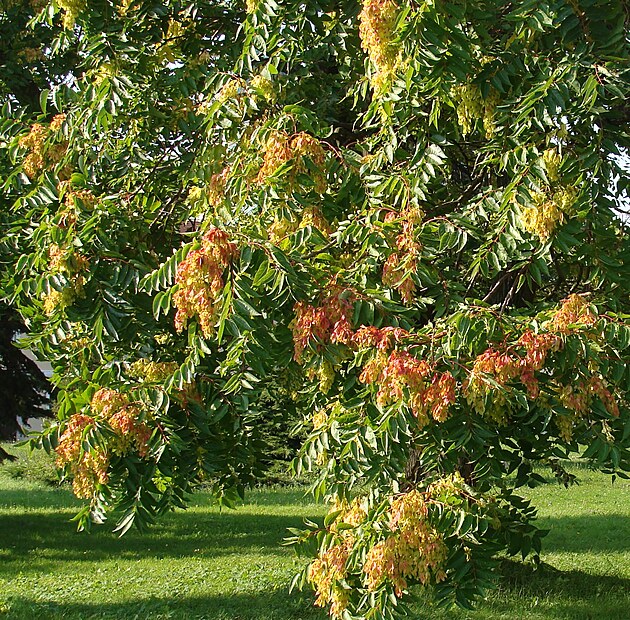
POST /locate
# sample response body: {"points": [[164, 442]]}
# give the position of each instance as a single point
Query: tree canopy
{"points": [[403, 214]]}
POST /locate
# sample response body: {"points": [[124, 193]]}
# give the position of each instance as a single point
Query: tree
{"points": [[404, 213], [23, 386]]}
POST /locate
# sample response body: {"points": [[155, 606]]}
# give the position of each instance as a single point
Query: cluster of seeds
{"points": [[327, 572], [552, 160], [73, 266], [148, 371], [549, 207], [322, 324], [264, 87], [200, 281], [71, 10], [88, 467], [414, 550], [377, 22], [577, 399], [542, 217], [471, 106], [125, 418], [40, 154], [498, 368], [282, 149], [401, 377], [402, 263], [575, 311]]}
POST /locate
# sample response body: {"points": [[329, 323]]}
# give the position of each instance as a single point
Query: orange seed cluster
{"points": [[200, 281], [88, 467], [281, 149], [414, 549], [124, 418]]}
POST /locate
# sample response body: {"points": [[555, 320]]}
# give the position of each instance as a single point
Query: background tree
{"points": [[403, 213], [23, 386]]}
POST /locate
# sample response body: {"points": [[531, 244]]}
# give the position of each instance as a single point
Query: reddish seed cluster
{"points": [[200, 281], [401, 376], [382, 339], [577, 398], [493, 368], [329, 322], [398, 374], [597, 387]]}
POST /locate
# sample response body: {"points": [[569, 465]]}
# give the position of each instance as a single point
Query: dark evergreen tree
{"points": [[23, 386]]}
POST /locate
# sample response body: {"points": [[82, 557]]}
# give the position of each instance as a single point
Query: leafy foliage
{"points": [[403, 214]]}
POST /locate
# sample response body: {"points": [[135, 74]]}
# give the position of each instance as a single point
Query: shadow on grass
{"points": [[569, 595], [518, 578], [269, 605], [566, 595], [49, 537], [609, 532]]}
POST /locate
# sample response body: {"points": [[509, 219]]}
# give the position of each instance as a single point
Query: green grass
{"points": [[201, 563]]}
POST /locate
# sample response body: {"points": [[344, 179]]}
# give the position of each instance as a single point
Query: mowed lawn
{"points": [[230, 565]]}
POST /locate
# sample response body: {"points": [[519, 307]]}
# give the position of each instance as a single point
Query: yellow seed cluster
{"points": [[39, 154], [326, 376], [264, 86], [105, 71], [548, 210], [489, 107], [72, 9], [124, 6], [320, 419], [552, 160], [313, 216], [377, 22], [281, 228], [328, 571], [34, 162], [229, 91], [57, 122], [72, 264], [472, 106], [251, 6], [152, 372], [58, 300], [542, 217]]}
